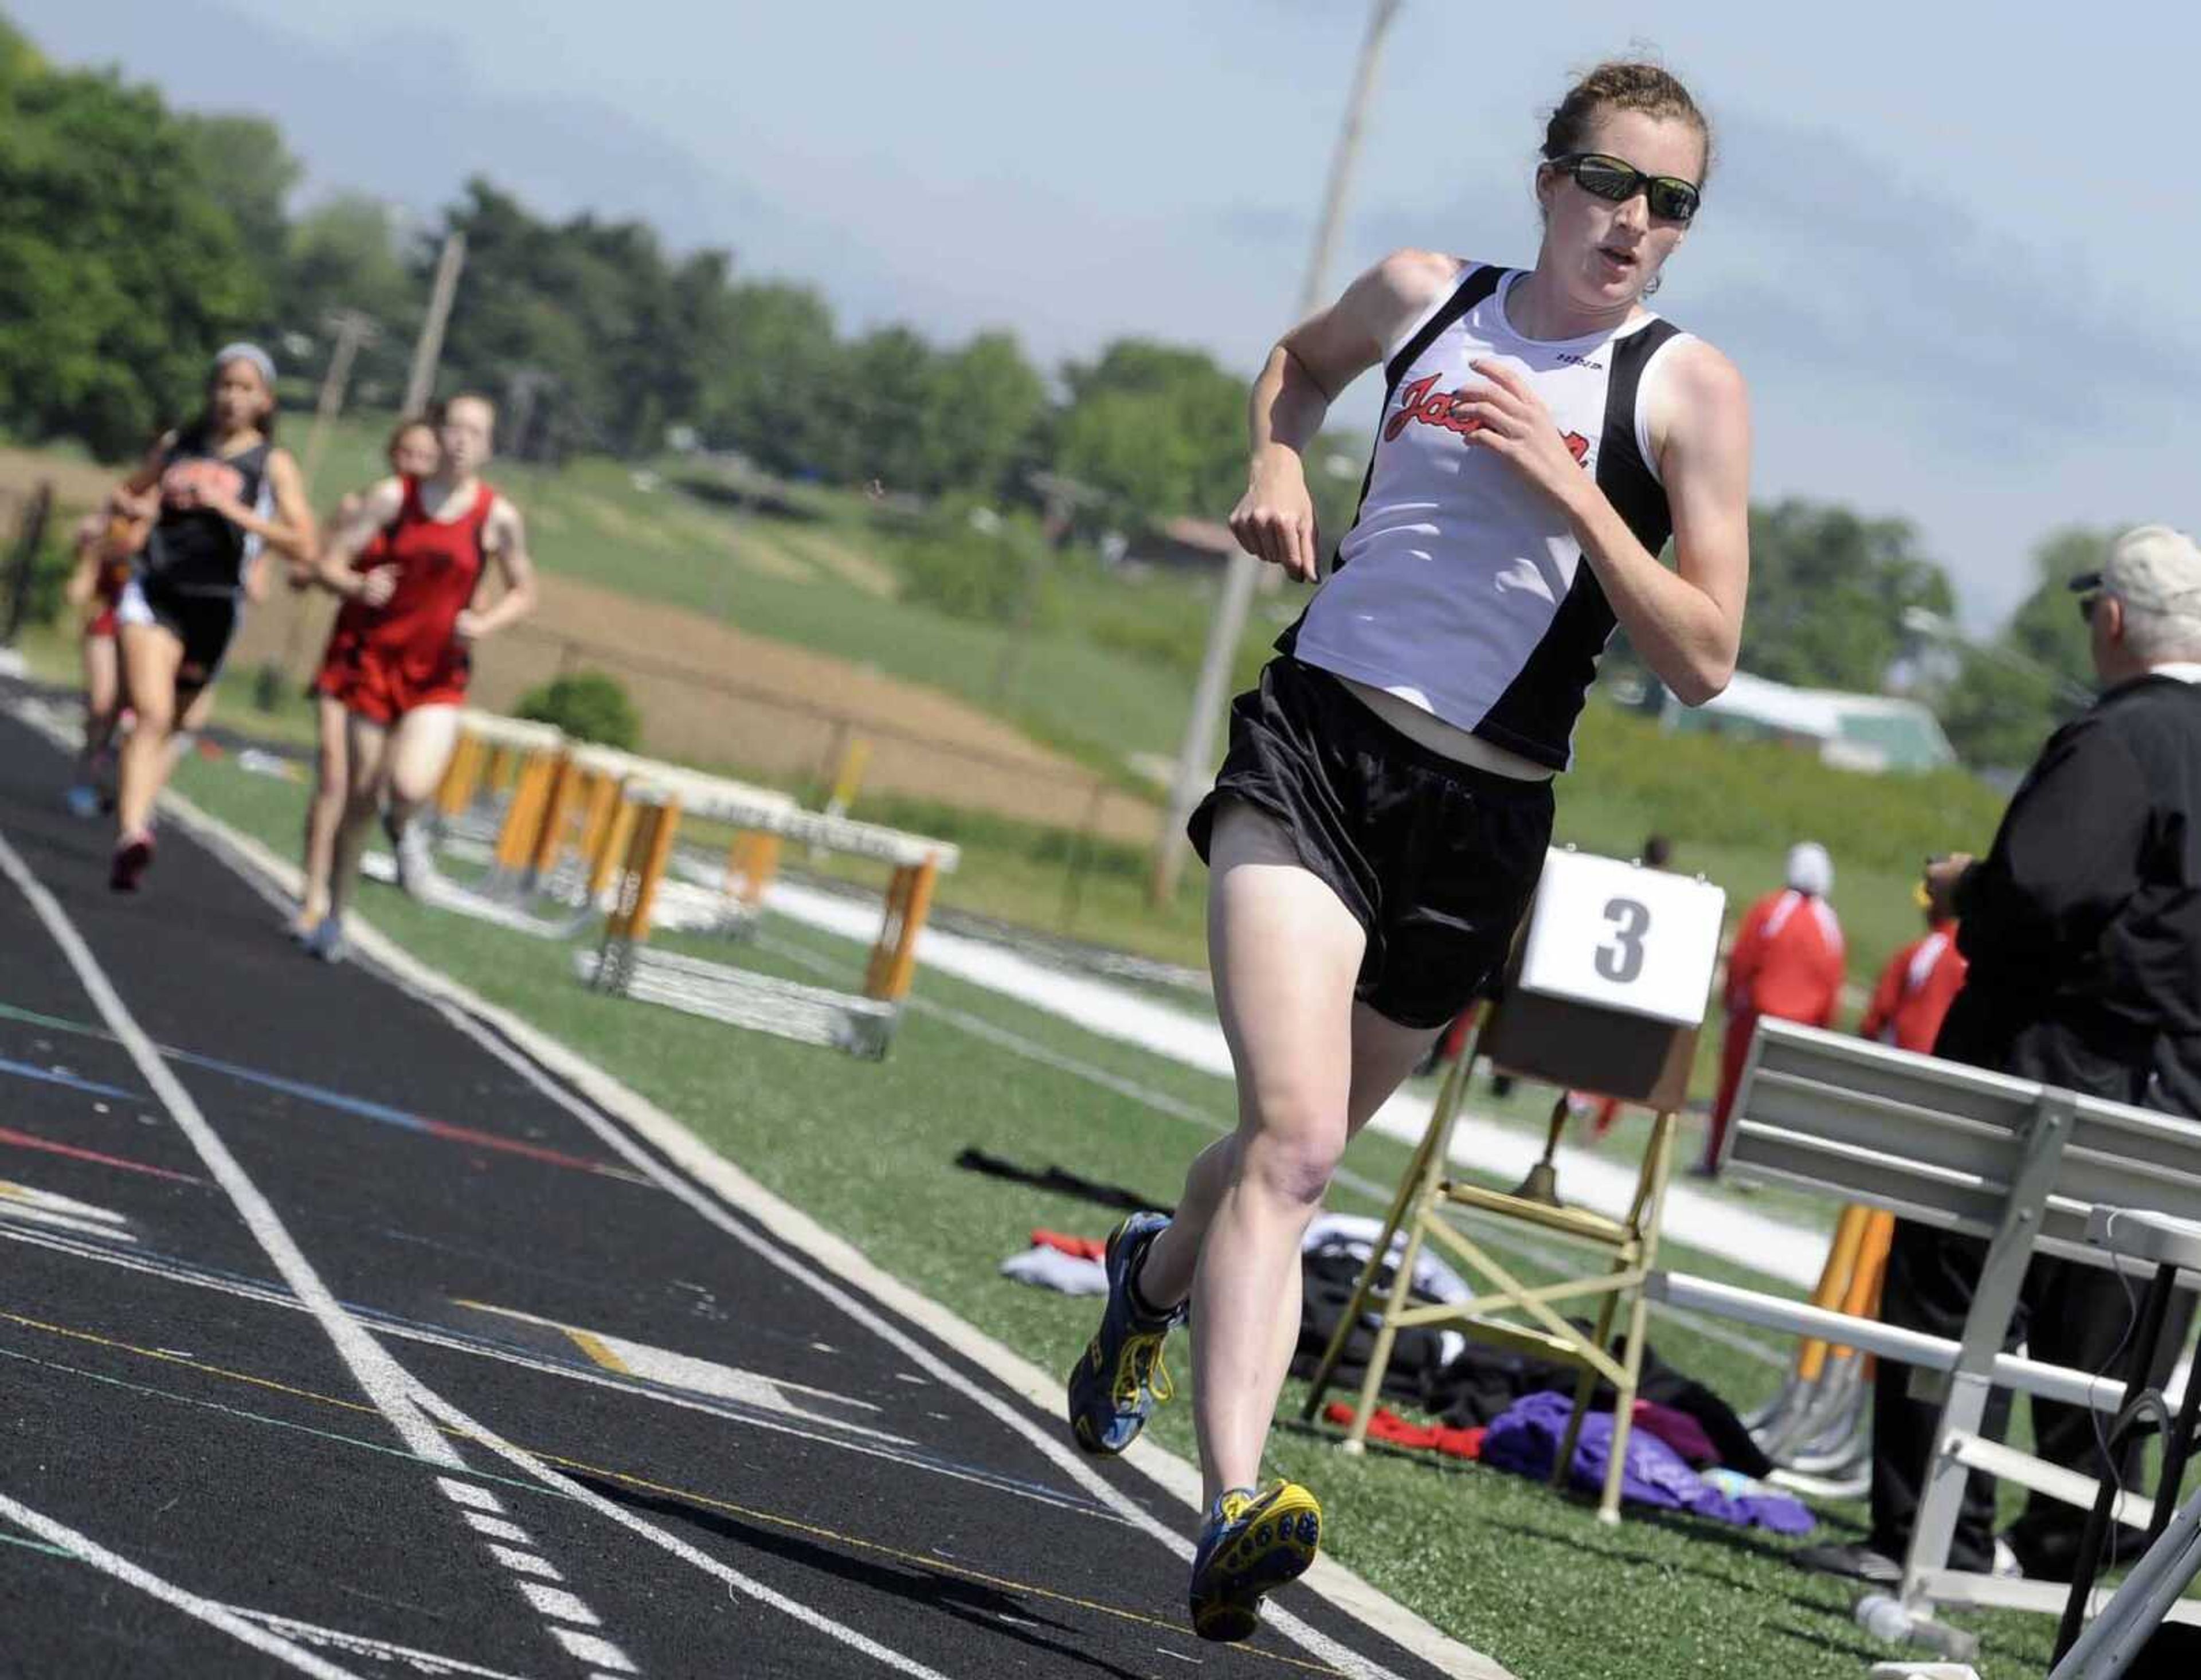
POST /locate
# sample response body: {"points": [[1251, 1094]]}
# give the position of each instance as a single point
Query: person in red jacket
{"points": [[1920, 981], [1785, 962]]}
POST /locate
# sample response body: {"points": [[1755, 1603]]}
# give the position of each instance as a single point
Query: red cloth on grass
{"points": [[1082, 1248], [1387, 1426]]}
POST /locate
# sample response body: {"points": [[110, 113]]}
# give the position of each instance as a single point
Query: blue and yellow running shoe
{"points": [[1251, 1544], [1120, 1375]]}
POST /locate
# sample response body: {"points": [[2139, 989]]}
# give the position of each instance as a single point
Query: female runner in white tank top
{"points": [[1381, 819]]}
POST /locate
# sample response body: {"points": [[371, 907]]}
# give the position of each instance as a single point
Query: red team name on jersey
{"points": [[1421, 402], [193, 479]]}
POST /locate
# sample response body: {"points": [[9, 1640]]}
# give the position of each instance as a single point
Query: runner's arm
{"points": [[507, 534], [291, 530], [1687, 623], [1309, 365], [135, 495], [84, 576], [332, 569]]}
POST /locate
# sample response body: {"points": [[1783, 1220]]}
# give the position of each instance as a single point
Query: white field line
{"points": [[1789, 1252], [537, 1051], [395, 1393], [206, 1610]]}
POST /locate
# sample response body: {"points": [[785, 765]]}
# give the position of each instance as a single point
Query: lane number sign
{"points": [[1610, 933]]}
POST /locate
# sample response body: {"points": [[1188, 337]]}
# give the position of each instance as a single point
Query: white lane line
{"points": [[380, 1377], [589, 1648], [39, 1216], [559, 1604], [525, 1563], [206, 1610], [458, 1420], [466, 1494], [496, 1528], [433, 1663], [1309, 1638]]}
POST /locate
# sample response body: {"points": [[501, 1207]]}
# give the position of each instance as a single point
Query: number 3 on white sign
{"points": [[1617, 937], [1621, 961]]}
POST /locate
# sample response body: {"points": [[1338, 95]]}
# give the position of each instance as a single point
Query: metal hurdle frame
{"points": [[862, 1024], [2021, 1165], [490, 752]]}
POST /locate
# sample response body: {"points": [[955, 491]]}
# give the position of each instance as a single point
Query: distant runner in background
{"points": [[412, 455], [224, 490], [402, 681], [1922, 979], [107, 539], [1787, 962]]}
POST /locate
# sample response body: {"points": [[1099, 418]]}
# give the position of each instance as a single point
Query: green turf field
{"points": [[869, 1150]]}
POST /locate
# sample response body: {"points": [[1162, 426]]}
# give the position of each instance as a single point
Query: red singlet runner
{"points": [[384, 661]]}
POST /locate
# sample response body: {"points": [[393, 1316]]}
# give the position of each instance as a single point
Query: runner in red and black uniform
{"points": [[224, 490], [412, 455], [402, 681], [107, 541]]}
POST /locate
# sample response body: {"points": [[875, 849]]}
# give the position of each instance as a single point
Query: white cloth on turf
{"points": [[1049, 1268]]}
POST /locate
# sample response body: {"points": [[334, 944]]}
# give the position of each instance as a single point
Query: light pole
{"points": [[353, 329], [1925, 622], [428, 348], [1241, 571]]}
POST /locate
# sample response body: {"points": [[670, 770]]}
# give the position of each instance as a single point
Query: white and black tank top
{"points": [[1461, 588]]}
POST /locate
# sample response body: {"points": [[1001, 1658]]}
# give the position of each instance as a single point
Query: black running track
{"points": [[164, 1396]]}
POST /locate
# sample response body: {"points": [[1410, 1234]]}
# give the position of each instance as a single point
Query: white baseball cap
{"points": [[2152, 566], [1809, 869]]}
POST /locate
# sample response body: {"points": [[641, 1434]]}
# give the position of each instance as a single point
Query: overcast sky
{"points": [[1954, 248]]}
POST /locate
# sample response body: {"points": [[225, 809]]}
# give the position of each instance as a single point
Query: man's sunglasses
{"points": [[2088, 587], [1670, 197]]}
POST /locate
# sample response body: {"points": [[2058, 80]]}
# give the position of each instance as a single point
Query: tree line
{"points": [[134, 238]]}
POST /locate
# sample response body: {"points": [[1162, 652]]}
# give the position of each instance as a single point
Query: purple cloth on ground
{"points": [[1526, 1441]]}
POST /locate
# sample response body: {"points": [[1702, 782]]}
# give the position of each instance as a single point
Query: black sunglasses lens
{"points": [[1607, 177], [2087, 605], [1672, 200]]}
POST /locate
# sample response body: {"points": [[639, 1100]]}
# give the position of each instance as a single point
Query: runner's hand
{"points": [[1516, 426], [1275, 521], [1942, 873], [467, 626], [223, 502], [376, 587]]}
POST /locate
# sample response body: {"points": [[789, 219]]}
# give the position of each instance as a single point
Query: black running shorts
{"points": [[204, 624], [1436, 859]]}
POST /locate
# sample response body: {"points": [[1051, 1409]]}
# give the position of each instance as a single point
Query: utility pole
{"points": [[1229, 624], [428, 349], [353, 329]]}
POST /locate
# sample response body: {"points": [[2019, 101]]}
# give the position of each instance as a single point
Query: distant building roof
{"points": [[1857, 731]]}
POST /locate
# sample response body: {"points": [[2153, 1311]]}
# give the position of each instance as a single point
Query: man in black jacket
{"points": [[2082, 926]]}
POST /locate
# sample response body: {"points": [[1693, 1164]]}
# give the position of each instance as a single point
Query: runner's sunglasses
{"points": [[1670, 197]]}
